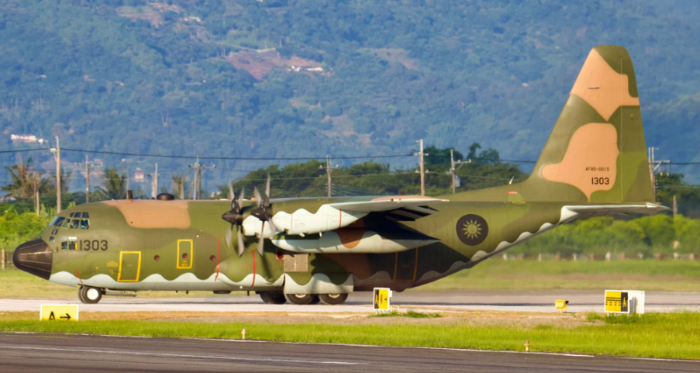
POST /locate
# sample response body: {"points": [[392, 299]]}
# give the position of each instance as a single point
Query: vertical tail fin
{"points": [[597, 152]]}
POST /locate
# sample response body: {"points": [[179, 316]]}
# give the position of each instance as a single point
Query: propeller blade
{"points": [[261, 242], [240, 198], [241, 245], [272, 227], [231, 195], [258, 199], [267, 189], [228, 236]]}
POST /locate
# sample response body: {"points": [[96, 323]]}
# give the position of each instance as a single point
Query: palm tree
{"points": [[25, 180], [113, 186], [65, 178], [179, 185]]}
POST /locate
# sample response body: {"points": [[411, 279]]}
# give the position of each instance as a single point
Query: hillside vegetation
{"points": [[286, 78]]}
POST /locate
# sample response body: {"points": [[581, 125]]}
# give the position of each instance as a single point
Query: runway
{"points": [[29, 353], [442, 301]]}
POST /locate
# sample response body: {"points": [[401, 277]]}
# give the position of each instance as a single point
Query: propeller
{"points": [[235, 217], [264, 213]]}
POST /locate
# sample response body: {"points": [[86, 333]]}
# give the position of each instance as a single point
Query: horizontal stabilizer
{"points": [[588, 211]]}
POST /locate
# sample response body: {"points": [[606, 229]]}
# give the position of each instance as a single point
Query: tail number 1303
{"points": [[600, 180]]}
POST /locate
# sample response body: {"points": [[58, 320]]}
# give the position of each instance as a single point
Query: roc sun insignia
{"points": [[472, 229]]}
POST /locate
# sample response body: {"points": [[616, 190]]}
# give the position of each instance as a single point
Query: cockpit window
{"points": [[69, 243], [58, 221], [80, 220]]}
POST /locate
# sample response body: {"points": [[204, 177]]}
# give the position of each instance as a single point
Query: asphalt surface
{"points": [[442, 301], [28, 353]]}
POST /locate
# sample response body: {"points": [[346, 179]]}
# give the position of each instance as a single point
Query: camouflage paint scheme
{"points": [[594, 163]]}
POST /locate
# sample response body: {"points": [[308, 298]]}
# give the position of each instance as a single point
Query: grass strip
{"points": [[671, 335], [410, 314]]}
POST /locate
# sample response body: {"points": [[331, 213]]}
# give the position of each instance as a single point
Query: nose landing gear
{"points": [[90, 295]]}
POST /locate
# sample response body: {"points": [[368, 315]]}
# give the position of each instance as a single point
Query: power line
{"points": [[274, 158], [22, 150], [232, 158]]}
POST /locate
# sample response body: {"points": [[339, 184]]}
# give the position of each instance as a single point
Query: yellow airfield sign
{"points": [[382, 299], [616, 301], [59, 312]]}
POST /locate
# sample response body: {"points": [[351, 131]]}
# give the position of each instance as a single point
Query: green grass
{"points": [[410, 313], [650, 275], [672, 335]]}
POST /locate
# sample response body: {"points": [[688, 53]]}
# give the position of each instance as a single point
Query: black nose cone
{"points": [[34, 257]]}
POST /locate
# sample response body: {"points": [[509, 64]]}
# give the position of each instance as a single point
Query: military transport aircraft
{"points": [[304, 250]]}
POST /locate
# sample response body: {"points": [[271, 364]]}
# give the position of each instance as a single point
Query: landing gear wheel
{"points": [[80, 295], [89, 295], [302, 298], [334, 299], [272, 297]]}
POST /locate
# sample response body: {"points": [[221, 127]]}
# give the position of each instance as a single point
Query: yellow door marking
{"points": [[121, 262], [396, 268], [185, 247]]}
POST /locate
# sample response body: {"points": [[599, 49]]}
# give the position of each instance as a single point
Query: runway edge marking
{"points": [[375, 346]]}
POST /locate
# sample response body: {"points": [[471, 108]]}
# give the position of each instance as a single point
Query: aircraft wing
{"points": [[338, 215], [404, 208]]}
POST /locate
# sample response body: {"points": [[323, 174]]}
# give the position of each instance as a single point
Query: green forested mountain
{"points": [[261, 78]]}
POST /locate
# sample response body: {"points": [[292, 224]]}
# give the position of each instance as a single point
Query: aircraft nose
{"points": [[34, 257]]}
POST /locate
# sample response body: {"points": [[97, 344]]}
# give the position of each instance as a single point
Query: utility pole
{"points": [[57, 155], [453, 170], [154, 185], [653, 167], [36, 197], [199, 178], [328, 168], [127, 180], [328, 171], [87, 180], [196, 173], [197, 194], [675, 206], [422, 168]]}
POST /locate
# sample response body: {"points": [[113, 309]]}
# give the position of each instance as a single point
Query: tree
{"points": [[179, 185], [438, 160], [489, 156], [113, 186], [65, 179], [25, 180]]}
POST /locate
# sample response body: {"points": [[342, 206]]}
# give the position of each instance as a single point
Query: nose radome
{"points": [[34, 257]]}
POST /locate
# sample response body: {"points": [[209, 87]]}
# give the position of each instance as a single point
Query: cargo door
{"points": [[406, 265], [129, 266]]}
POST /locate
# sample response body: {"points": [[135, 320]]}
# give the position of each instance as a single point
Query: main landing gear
{"points": [[277, 297], [272, 297], [90, 295]]}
